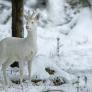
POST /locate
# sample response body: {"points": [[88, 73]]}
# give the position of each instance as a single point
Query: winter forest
{"points": [[45, 45]]}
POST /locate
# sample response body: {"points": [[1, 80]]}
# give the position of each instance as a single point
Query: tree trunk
{"points": [[17, 21]]}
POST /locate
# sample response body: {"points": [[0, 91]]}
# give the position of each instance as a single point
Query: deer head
{"points": [[31, 20]]}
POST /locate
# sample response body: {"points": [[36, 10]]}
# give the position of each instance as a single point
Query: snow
{"points": [[75, 49], [56, 11], [78, 43]]}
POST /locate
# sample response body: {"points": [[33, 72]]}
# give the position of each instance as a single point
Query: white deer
{"points": [[20, 49]]}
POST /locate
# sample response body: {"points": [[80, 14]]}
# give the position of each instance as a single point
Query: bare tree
{"points": [[17, 21]]}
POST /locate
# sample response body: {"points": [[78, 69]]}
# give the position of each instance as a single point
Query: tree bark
{"points": [[17, 21]]}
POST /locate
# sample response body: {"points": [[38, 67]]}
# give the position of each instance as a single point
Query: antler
{"points": [[33, 15], [34, 11]]}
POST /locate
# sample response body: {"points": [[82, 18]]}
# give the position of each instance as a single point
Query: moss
{"points": [[50, 71], [57, 81], [17, 81]]}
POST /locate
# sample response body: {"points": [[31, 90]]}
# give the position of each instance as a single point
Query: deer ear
{"points": [[27, 14], [26, 17], [33, 13], [37, 16]]}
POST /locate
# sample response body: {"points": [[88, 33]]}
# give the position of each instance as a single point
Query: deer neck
{"points": [[31, 37]]}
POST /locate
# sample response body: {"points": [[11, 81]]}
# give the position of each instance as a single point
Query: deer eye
{"points": [[32, 22], [27, 27]]}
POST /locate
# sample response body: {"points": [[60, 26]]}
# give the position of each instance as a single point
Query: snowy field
{"points": [[63, 65]]}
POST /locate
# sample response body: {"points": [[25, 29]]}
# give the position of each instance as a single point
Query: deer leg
{"points": [[4, 74], [21, 71], [4, 66], [29, 69]]}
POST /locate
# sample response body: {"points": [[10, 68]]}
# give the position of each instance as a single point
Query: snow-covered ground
{"points": [[74, 62]]}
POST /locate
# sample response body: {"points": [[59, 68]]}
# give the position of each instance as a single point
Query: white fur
{"points": [[19, 49]]}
